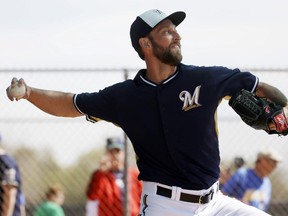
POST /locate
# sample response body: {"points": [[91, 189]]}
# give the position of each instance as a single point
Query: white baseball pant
{"points": [[220, 205]]}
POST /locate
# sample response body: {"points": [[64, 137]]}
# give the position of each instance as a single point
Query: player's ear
{"points": [[144, 43]]}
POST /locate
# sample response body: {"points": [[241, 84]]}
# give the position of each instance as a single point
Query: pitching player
{"points": [[169, 113]]}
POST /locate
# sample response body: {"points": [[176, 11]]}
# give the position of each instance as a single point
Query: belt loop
{"points": [[216, 187], [174, 193], [178, 193]]}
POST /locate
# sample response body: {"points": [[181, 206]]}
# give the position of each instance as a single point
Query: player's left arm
{"points": [[265, 109], [271, 93]]}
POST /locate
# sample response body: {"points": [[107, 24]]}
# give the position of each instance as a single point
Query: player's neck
{"points": [[157, 73]]}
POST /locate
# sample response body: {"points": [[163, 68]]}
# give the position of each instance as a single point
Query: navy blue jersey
{"points": [[10, 175], [172, 126]]}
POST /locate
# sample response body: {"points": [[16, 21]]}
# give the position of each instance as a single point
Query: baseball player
{"points": [[12, 199], [168, 112]]}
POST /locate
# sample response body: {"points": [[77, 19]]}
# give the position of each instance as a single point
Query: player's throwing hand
{"points": [[17, 89]]}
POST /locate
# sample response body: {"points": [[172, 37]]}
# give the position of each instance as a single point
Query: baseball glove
{"points": [[259, 113]]}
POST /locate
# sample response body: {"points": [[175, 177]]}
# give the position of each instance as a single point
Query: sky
{"points": [[87, 33], [94, 34]]}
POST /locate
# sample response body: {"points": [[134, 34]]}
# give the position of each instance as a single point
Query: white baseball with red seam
{"points": [[17, 91]]}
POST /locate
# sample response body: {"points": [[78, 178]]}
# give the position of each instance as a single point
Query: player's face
{"points": [[166, 45]]}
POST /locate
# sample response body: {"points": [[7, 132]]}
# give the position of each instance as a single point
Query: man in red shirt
{"points": [[105, 192]]}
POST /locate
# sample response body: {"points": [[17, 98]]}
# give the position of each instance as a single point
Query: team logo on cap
{"points": [[190, 101], [158, 11]]}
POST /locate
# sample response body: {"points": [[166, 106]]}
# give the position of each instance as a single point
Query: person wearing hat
{"points": [[105, 191], [168, 111], [252, 185], [12, 200]]}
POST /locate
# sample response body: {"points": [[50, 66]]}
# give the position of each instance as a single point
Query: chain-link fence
{"points": [[66, 151]]}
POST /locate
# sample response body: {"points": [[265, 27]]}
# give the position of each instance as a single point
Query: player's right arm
{"points": [[56, 103]]}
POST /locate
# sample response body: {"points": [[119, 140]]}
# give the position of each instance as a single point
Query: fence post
{"points": [[126, 167]]}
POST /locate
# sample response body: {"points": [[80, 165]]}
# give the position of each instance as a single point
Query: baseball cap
{"points": [[114, 143], [271, 154], [148, 20]]}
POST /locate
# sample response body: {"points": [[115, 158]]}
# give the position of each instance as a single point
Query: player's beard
{"points": [[166, 55]]}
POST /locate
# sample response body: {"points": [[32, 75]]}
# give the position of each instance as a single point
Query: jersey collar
{"points": [[142, 73]]}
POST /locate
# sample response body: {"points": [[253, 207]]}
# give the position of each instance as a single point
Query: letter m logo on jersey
{"points": [[190, 101]]}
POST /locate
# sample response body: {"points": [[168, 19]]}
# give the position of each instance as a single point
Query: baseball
{"points": [[17, 91]]}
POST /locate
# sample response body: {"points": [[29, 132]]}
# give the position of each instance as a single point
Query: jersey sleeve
{"points": [[10, 177], [10, 171], [102, 105], [230, 81]]}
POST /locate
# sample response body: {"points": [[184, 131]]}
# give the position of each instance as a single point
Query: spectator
{"points": [[105, 191], [252, 185], [12, 202], [52, 205]]}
